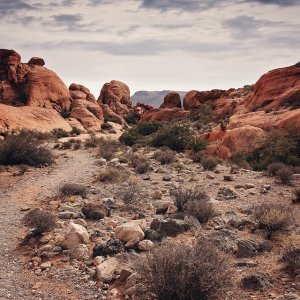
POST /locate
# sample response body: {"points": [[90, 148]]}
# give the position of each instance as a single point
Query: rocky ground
{"points": [[44, 270]]}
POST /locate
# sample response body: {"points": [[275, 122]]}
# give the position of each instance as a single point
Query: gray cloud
{"points": [[12, 6], [67, 21], [276, 2]]}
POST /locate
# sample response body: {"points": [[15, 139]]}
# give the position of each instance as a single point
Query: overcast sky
{"points": [[155, 44]]}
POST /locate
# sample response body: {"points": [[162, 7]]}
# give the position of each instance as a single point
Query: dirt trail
{"points": [[27, 191]]}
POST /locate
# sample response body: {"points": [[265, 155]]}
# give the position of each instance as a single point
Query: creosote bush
{"points": [[202, 210], [24, 149], [273, 217], [273, 168], [209, 163], [285, 174], [181, 272], [110, 174], [291, 260], [107, 148], [165, 156], [39, 220], [73, 189]]}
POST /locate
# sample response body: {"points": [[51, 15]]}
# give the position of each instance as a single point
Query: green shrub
{"points": [[276, 147], [106, 126], [65, 113], [132, 119], [108, 118], [60, 133], [130, 137], [147, 128], [202, 114], [75, 131], [23, 149], [198, 144], [178, 271], [174, 136]]}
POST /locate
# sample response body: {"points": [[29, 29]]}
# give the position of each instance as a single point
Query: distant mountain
{"points": [[154, 98]]}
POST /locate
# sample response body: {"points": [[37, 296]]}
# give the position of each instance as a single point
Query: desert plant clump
{"points": [[39, 220], [110, 174], [285, 174], [60, 133], [173, 136], [291, 260], [198, 144], [296, 192], [106, 126], [140, 164], [23, 149], [209, 163], [175, 271], [202, 210], [66, 145], [183, 196], [165, 156], [273, 217], [273, 168], [132, 119], [107, 148], [75, 131], [130, 192], [91, 142], [73, 189]]}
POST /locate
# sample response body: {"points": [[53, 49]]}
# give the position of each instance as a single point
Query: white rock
{"points": [[80, 252], [75, 235], [145, 245], [129, 231]]}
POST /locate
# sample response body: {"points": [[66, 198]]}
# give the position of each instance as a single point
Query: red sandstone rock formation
{"points": [[164, 115], [171, 100], [36, 61], [116, 95]]}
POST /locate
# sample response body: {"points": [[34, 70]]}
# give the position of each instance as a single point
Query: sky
{"points": [[155, 44]]}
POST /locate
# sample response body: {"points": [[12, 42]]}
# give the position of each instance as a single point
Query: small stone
{"points": [[249, 186], [81, 222], [167, 178], [157, 195], [210, 176], [145, 245], [66, 215], [46, 265], [228, 178], [234, 169]]}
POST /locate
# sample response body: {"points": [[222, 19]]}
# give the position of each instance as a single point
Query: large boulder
{"points": [[88, 113], [194, 99], [129, 231], [78, 91], [31, 118], [75, 235], [171, 100], [36, 61], [164, 115], [116, 95], [276, 88]]}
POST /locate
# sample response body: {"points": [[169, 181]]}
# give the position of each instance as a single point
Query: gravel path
{"points": [[27, 191]]}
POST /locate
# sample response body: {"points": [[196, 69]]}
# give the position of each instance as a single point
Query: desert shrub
{"points": [[106, 126], [296, 170], [285, 174], [198, 144], [107, 148], [75, 131], [202, 210], [239, 159], [132, 119], [174, 136], [273, 168], [60, 133], [66, 145], [37, 135], [142, 166], [165, 156], [110, 174], [183, 196], [39, 220], [131, 192], [209, 163], [196, 156], [223, 125], [130, 137], [291, 260], [77, 145], [22, 149], [73, 189], [91, 142], [202, 114], [3, 169], [147, 128], [108, 118], [279, 147], [65, 113], [23, 169], [296, 192], [176, 271], [273, 217]]}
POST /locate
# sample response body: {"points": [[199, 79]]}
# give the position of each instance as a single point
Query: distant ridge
{"points": [[154, 98]]}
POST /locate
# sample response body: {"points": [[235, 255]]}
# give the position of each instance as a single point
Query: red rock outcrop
{"points": [[164, 115], [31, 118], [194, 99], [171, 100], [30, 84], [275, 88], [78, 91], [116, 95], [36, 61], [108, 112]]}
